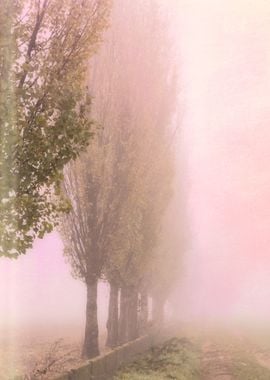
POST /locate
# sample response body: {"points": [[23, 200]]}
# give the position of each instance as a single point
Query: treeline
{"points": [[120, 188], [112, 177]]}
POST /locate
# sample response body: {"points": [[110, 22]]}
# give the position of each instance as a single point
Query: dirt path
{"points": [[215, 363]]}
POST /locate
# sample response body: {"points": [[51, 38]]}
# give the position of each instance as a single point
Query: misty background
{"points": [[223, 160]]}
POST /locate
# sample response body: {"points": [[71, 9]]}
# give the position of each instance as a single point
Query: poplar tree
{"points": [[120, 188], [148, 92], [44, 110], [87, 229]]}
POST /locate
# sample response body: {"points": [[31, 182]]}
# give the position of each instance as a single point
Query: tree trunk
{"points": [[112, 323], [133, 314], [158, 310], [144, 311], [90, 346], [123, 320], [128, 322]]}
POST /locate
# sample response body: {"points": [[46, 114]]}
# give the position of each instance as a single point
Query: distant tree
{"points": [[120, 188], [133, 252], [44, 110], [165, 271], [145, 69]]}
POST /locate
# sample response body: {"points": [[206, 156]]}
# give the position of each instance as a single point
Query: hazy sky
{"points": [[225, 58]]}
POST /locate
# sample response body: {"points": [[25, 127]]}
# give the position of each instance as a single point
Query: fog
{"points": [[222, 148], [225, 51]]}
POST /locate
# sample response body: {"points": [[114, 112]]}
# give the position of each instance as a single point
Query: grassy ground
{"points": [[177, 359], [205, 356], [243, 356], [246, 367], [250, 357]]}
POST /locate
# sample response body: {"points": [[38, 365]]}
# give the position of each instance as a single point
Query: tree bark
{"points": [[90, 346], [112, 323], [123, 320], [133, 332], [158, 310], [128, 321], [144, 311]]}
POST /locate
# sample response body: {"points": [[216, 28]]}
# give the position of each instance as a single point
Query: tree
{"points": [[44, 110], [165, 270], [148, 95], [96, 185], [89, 182], [120, 188], [135, 249]]}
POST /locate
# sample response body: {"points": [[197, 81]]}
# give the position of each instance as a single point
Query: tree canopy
{"points": [[44, 109]]}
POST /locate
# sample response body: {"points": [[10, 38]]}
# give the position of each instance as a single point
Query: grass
{"points": [[176, 359], [246, 355], [245, 366], [244, 350]]}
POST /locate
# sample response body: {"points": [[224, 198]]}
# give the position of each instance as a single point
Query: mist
{"points": [[217, 221], [222, 165], [226, 138]]}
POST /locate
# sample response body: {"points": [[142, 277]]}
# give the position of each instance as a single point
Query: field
{"points": [[43, 352], [192, 355]]}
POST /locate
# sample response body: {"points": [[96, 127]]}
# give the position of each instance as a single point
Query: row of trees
{"points": [[113, 192], [120, 187]]}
